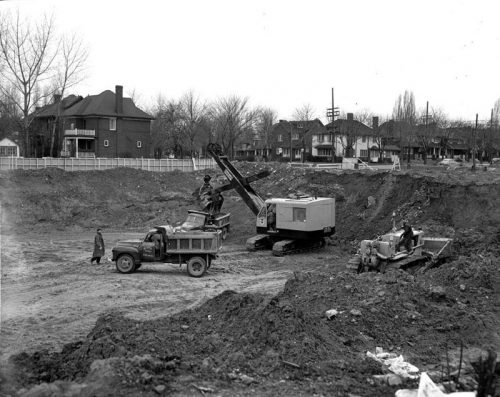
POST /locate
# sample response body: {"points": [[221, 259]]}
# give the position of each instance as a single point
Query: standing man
{"points": [[98, 248], [406, 238]]}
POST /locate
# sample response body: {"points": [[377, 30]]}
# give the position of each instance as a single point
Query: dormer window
{"points": [[112, 123]]}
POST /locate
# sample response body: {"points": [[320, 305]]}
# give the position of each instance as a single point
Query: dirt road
{"points": [[52, 295]]}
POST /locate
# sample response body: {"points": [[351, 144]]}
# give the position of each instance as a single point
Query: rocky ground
{"points": [[255, 324]]}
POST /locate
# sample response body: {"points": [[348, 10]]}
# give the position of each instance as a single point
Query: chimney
{"points": [[119, 99], [375, 123], [350, 116], [56, 98]]}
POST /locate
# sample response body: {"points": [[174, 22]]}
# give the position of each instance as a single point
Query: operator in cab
{"points": [[406, 238], [211, 200]]}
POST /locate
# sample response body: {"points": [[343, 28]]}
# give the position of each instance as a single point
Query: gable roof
{"points": [[8, 142], [346, 126], [104, 105]]}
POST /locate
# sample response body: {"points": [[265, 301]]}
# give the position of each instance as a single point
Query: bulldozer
{"points": [[382, 254], [286, 225]]}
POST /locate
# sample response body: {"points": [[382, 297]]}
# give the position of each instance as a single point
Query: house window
{"points": [[112, 123], [363, 153], [299, 214], [106, 143], [295, 137], [363, 139], [8, 151], [139, 144], [280, 138]]}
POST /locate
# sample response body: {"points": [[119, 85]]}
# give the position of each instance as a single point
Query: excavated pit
{"points": [[275, 344]]}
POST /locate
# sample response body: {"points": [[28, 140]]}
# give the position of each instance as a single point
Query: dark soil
{"points": [[249, 344]]}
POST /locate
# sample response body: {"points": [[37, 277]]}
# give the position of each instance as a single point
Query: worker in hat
{"points": [[406, 238], [211, 199]]}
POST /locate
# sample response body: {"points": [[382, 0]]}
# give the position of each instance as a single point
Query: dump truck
{"points": [[286, 225], [381, 254], [163, 244]]}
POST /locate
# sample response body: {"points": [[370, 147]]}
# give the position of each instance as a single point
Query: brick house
{"points": [[103, 125], [295, 137]]}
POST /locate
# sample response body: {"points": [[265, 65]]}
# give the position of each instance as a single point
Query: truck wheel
{"points": [[196, 266], [224, 233], [125, 263]]}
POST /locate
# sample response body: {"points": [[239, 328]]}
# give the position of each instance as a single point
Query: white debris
{"points": [[427, 388], [396, 364]]}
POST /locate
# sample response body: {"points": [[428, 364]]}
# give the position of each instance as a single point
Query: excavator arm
{"points": [[237, 181]]}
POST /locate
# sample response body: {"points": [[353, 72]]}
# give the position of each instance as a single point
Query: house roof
{"points": [[7, 142], [355, 127], [104, 105], [51, 109]]}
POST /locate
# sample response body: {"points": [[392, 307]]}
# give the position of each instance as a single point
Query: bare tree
{"points": [[193, 113], [69, 72], [405, 115], [496, 113], [380, 137], [266, 118], [304, 113], [431, 122], [166, 128], [134, 95], [27, 54], [233, 118]]}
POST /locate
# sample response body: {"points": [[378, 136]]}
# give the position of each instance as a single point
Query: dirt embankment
{"points": [[253, 344], [127, 198]]}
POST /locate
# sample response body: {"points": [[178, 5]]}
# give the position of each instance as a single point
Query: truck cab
{"points": [[163, 244]]}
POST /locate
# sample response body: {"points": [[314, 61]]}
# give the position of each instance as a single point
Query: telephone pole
{"points": [[474, 146], [333, 112], [426, 132]]}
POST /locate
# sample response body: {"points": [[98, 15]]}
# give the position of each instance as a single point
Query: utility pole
{"points": [[291, 148], [491, 136], [333, 127], [426, 131], [474, 146], [332, 113]]}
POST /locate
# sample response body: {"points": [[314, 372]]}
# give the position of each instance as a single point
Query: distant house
{"points": [[295, 139], [352, 138], [8, 148], [103, 125]]}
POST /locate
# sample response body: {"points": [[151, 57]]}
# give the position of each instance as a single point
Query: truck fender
{"points": [[131, 251]]}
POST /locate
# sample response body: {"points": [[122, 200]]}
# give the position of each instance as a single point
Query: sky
{"points": [[287, 54]]}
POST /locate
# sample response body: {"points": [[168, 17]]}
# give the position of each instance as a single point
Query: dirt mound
{"points": [[251, 344], [239, 339], [128, 198]]}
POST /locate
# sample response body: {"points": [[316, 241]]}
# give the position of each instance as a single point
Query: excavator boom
{"points": [[237, 181]]}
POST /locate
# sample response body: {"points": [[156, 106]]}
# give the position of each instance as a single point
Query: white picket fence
{"points": [[342, 166], [87, 164]]}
